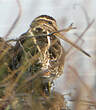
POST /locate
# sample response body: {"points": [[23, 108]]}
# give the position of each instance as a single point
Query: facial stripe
{"points": [[47, 27], [46, 22]]}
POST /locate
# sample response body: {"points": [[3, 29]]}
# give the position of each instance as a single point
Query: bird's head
{"points": [[44, 23]]}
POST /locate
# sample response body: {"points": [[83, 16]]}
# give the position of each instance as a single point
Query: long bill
{"points": [[71, 43]]}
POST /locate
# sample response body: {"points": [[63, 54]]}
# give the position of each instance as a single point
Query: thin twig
{"points": [[43, 35], [16, 20], [91, 103], [57, 33], [82, 82], [82, 34]]}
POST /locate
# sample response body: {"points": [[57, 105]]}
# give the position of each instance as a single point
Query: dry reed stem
{"points": [[16, 20], [80, 37]]}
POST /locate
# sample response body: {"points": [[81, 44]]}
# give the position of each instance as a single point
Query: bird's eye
{"points": [[49, 22], [39, 29]]}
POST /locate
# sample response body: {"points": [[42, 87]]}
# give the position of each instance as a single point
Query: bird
{"points": [[50, 54], [49, 47], [48, 50], [35, 61]]}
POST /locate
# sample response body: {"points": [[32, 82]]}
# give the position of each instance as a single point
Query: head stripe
{"points": [[46, 16], [47, 20]]}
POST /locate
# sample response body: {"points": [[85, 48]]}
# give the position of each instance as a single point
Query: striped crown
{"points": [[45, 22]]}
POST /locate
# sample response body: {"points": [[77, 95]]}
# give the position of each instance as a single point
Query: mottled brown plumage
{"points": [[46, 51], [51, 52]]}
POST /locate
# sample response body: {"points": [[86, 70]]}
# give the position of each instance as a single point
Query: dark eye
{"points": [[38, 29], [49, 22], [44, 32]]}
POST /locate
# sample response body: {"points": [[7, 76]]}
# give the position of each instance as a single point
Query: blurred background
{"points": [[79, 70]]}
